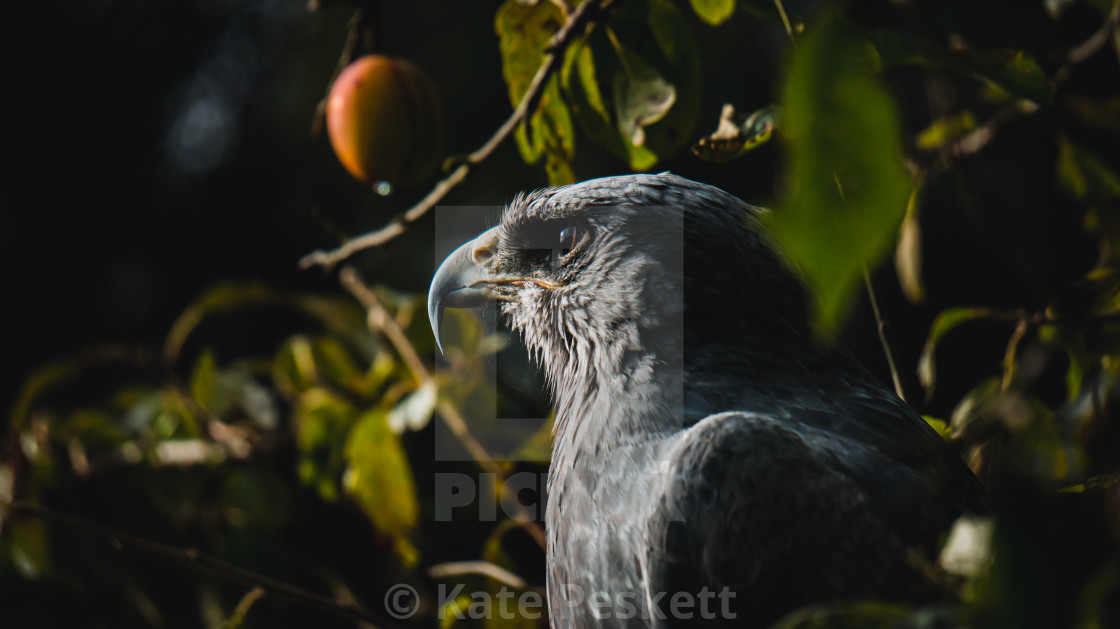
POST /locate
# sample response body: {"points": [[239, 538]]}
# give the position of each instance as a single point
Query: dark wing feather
{"points": [[770, 516]]}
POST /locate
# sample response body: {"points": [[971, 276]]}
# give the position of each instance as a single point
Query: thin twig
{"points": [[124, 541], [484, 568], [381, 321], [785, 17], [555, 53], [353, 35], [245, 604], [975, 140], [1012, 351], [1089, 47], [882, 328]]}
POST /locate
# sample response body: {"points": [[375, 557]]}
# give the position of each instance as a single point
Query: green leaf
{"points": [[946, 321], [1034, 444], [736, 134], [1011, 71], [524, 31], [945, 130], [204, 384], [1056, 7], [30, 552], [1103, 114], [379, 478], [642, 96], [1083, 175], [940, 425], [847, 187], [714, 12], [322, 423], [636, 94], [908, 252]]}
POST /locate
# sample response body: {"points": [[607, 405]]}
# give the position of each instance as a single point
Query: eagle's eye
{"points": [[568, 237]]}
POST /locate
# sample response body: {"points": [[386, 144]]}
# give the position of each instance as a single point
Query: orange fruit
{"points": [[384, 121]]}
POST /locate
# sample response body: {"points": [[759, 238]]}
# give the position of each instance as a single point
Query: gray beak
{"points": [[460, 280]]}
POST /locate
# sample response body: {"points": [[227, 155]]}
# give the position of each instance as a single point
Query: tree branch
{"points": [[882, 328], [975, 140], [381, 321], [1090, 46], [125, 541], [555, 53]]}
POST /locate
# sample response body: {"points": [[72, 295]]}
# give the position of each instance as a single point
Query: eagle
{"points": [[714, 459]]}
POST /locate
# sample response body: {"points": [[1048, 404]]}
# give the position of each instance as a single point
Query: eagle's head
{"points": [[617, 276]]}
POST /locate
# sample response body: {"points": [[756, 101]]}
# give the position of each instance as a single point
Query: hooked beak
{"points": [[462, 280]]}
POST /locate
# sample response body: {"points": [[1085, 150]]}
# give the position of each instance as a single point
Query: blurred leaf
{"points": [[945, 322], [1104, 7], [453, 610], [1056, 7], [221, 392], [1033, 445], [1084, 175], [944, 130], [41, 380], [846, 187], [1011, 71], [322, 423], [237, 618], [524, 31], [96, 431], [736, 134], [341, 317], [714, 12], [851, 616], [415, 410], [1102, 114], [633, 93], [204, 384], [908, 252], [27, 540], [940, 425], [379, 478], [1095, 295], [303, 363]]}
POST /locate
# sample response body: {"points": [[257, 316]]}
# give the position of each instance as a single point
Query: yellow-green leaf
{"points": [[322, 422], [524, 31], [380, 480], [945, 130], [714, 12], [1083, 175], [204, 384], [634, 84]]}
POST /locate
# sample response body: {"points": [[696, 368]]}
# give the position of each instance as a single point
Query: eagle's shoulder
{"points": [[757, 505]]}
